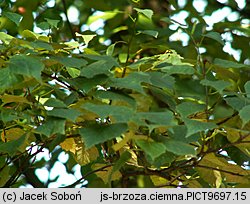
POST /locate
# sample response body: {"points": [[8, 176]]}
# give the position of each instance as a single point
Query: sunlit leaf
{"points": [[86, 38], [5, 37], [146, 12]]}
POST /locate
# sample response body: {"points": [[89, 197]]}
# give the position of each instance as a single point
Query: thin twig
{"points": [[67, 20]]}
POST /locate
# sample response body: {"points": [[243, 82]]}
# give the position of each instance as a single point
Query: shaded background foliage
{"points": [[109, 88]]}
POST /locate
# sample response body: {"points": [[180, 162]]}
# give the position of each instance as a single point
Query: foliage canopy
{"points": [[135, 93]]}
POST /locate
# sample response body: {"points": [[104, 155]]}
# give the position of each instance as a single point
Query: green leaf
{"points": [[146, 12], [162, 80], [247, 89], [120, 163], [86, 84], [152, 33], [97, 68], [44, 25], [194, 126], [73, 72], [132, 81], [177, 147], [178, 69], [165, 118], [116, 96], [188, 108], [110, 49], [228, 64], [70, 61], [14, 146], [96, 134], [238, 102], [245, 114], [219, 85], [5, 38], [8, 80], [70, 114], [52, 102], [26, 65], [151, 148], [119, 113], [53, 23], [52, 126], [86, 38], [14, 17], [164, 159], [215, 36]]}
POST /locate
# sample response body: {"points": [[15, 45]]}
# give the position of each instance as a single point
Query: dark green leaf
{"points": [[155, 118], [132, 81], [52, 126], [194, 126], [151, 148], [219, 85], [26, 65], [70, 114], [120, 163], [119, 113], [228, 64], [14, 146], [162, 80], [238, 102], [70, 61], [177, 147], [245, 114], [97, 68], [52, 102], [116, 96], [215, 36], [8, 79], [152, 33], [247, 89], [97, 134], [188, 108], [14, 17], [86, 84]]}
